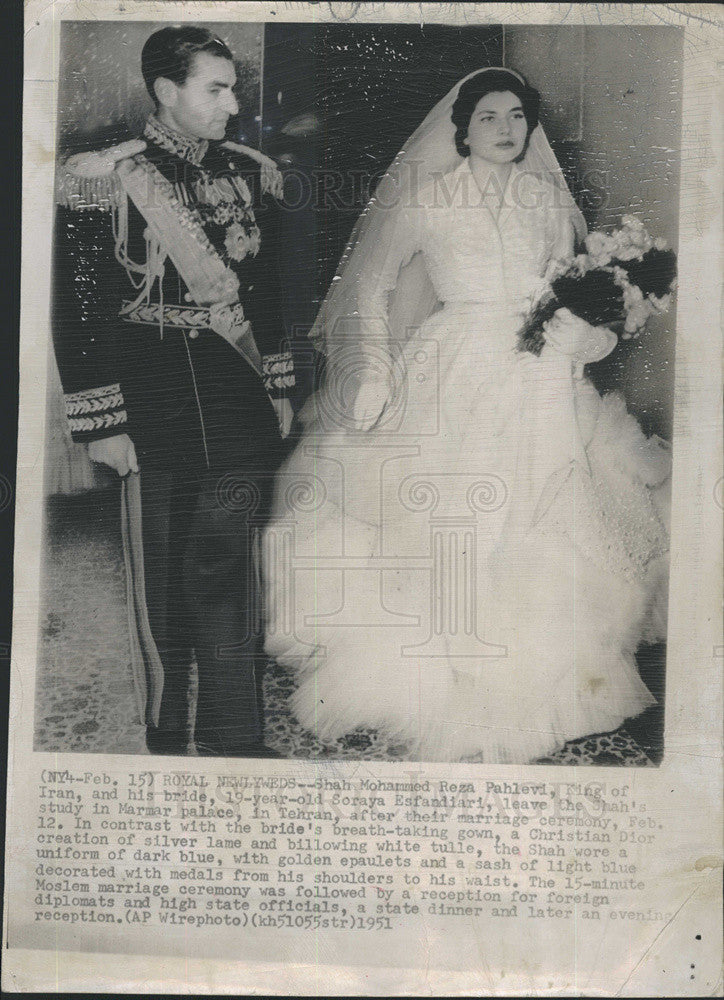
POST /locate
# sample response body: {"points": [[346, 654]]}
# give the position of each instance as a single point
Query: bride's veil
{"points": [[430, 153]]}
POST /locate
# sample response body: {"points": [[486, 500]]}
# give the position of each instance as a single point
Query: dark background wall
{"points": [[101, 94]]}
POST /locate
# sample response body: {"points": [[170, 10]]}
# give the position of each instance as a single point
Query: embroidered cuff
{"points": [[96, 412], [278, 370]]}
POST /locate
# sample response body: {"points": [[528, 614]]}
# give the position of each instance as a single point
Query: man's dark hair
{"points": [[170, 53], [491, 81]]}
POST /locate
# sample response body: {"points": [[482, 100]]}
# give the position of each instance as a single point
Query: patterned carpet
{"points": [[84, 695]]}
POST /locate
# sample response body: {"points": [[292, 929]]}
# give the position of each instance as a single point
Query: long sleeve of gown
{"points": [[391, 285]]}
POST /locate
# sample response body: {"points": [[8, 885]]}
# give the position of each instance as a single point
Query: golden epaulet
{"points": [[91, 181], [272, 181]]}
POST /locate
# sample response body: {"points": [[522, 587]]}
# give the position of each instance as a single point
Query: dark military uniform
{"points": [[199, 412]]}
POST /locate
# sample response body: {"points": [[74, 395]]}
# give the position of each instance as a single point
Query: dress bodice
{"points": [[470, 253]]}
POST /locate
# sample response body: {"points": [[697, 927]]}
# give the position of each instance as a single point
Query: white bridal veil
{"points": [[427, 155]]}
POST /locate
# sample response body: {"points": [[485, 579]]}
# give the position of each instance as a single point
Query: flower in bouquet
{"points": [[621, 280], [646, 282], [599, 250], [628, 242]]}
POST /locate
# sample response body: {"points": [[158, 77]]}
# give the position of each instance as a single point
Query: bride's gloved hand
{"points": [[571, 336], [372, 397]]}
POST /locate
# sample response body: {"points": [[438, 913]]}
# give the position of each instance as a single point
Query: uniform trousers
{"points": [[200, 537]]}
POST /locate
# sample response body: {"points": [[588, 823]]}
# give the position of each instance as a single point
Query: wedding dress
{"points": [[473, 573]]}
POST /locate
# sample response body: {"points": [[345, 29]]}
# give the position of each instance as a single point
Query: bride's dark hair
{"points": [[486, 82]]}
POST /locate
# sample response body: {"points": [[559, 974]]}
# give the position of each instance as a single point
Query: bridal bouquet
{"points": [[622, 279]]}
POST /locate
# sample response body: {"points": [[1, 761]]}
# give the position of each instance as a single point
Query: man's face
{"points": [[202, 105]]}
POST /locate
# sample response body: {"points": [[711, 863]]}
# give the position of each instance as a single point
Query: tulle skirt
{"points": [[474, 575]]}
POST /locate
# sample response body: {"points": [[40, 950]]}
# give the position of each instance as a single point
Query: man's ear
{"points": [[166, 91]]}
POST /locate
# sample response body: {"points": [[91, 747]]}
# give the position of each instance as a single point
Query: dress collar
{"points": [[186, 148], [511, 192], [515, 168]]}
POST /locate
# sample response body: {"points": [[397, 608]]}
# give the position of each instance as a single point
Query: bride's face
{"points": [[498, 128]]}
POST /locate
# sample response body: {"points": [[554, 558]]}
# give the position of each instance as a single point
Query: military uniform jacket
{"points": [[135, 353]]}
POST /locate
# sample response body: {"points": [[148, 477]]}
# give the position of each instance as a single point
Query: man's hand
{"points": [[118, 452], [285, 415]]}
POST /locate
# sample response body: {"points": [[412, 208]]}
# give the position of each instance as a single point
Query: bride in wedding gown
{"points": [[466, 548]]}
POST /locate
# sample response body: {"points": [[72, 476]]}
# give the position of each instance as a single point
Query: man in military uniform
{"points": [[169, 343]]}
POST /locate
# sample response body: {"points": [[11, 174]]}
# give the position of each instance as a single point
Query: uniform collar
{"points": [[186, 148]]}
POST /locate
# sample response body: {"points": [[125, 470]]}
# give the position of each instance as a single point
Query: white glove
{"points": [[285, 415], [578, 340], [117, 452]]}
